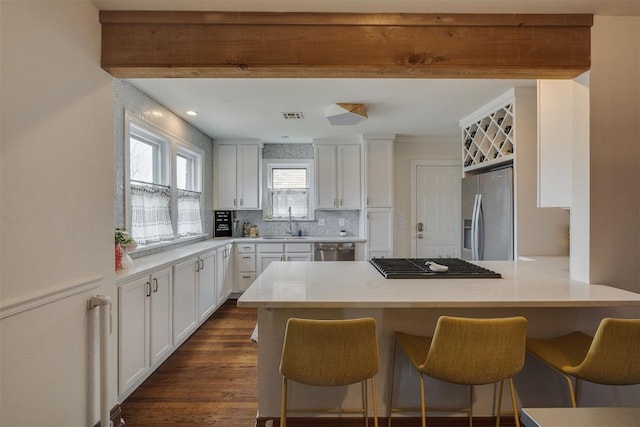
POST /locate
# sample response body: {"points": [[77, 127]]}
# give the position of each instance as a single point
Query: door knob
{"points": [[420, 236]]}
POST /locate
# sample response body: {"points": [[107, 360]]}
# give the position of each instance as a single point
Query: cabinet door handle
{"points": [[246, 277], [341, 202], [235, 203], [201, 264], [155, 283], [241, 202], [246, 257], [147, 287], [197, 266]]}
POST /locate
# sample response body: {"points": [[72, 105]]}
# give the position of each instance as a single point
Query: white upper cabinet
{"points": [[563, 126], [380, 232], [379, 173], [249, 176], [238, 176], [226, 182], [326, 173], [338, 176]]}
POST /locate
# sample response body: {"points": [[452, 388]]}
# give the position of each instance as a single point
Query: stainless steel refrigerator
{"points": [[487, 215]]}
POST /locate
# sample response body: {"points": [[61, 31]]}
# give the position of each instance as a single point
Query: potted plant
{"points": [[124, 244]]}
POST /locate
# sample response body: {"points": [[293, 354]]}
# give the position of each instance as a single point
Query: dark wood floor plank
{"points": [[211, 380]]}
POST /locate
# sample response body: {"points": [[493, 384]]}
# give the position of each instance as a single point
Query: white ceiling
{"points": [[251, 108]]}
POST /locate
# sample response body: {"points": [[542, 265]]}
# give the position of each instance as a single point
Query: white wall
{"points": [[404, 151], [615, 152], [57, 209]]}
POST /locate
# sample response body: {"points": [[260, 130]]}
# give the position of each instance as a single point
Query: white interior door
{"points": [[437, 211]]}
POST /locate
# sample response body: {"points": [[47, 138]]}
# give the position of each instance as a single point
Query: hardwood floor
{"points": [[211, 380]]}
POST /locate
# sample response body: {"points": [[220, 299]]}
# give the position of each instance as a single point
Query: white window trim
{"points": [[188, 150], [174, 145], [269, 164]]}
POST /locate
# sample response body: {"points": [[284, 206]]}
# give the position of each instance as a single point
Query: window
{"points": [[164, 195], [288, 186], [189, 192]]}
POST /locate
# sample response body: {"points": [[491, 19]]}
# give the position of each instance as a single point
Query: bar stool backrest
{"points": [[614, 355], [329, 352], [476, 351]]}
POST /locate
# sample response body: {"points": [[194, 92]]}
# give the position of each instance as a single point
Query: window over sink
{"points": [[289, 187]]}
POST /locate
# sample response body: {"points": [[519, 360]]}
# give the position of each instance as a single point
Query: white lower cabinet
{"points": [[145, 321], [157, 312], [224, 278], [185, 298], [194, 293], [270, 252], [206, 278], [245, 265]]}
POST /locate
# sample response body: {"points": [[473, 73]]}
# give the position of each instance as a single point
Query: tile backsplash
{"points": [[331, 225]]}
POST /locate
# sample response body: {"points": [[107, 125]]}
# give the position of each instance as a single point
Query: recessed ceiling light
{"points": [[192, 113]]}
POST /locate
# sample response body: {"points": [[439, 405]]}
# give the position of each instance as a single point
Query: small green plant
{"points": [[123, 237]]}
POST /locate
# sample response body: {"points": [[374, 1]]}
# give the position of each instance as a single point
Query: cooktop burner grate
{"points": [[415, 268]]}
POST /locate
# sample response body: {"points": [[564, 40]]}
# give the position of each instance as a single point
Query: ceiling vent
{"points": [[292, 116], [346, 114]]}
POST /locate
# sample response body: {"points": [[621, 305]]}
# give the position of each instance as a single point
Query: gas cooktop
{"points": [[417, 268]]}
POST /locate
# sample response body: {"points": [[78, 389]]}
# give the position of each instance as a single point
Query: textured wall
{"points": [[287, 151], [614, 180], [309, 228], [56, 184], [128, 98]]}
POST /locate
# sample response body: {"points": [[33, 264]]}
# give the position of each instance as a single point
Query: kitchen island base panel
{"points": [[537, 385]]}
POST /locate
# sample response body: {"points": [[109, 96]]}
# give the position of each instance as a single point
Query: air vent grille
{"points": [[292, 116]]}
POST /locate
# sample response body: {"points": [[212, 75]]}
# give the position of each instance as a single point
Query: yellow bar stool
{"points": [[611, 356], [465, 351], [330, 353]]}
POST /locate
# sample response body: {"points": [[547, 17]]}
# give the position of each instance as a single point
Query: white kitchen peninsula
{"points": [[539, 289]]}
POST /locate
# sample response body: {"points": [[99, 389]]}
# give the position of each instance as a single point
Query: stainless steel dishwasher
{"points": [[333, 251]]}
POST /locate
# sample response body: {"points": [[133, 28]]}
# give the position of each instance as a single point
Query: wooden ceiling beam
{"points": [[252, 44]]}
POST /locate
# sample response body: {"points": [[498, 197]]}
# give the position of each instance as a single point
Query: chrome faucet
{"points": [[290, 231]]}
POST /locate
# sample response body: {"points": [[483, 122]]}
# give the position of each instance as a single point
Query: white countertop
{"points": [[300, 239], [146, 264], [543, 282]]}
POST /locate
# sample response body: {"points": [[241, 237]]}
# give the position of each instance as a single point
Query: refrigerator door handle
{"points": [[474, 228], [479, 231]]}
